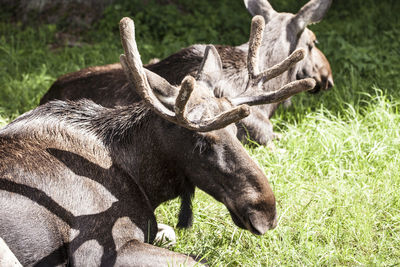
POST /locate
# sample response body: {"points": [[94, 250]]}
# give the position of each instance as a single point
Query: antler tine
{"points": [[281, 67], [255, 40], [224, 119], [220, 121], [187, 87], [133, 67], [256, 36], [283, 93]]}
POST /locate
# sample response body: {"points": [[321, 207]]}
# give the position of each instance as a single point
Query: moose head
{"points": [[214, 159]]}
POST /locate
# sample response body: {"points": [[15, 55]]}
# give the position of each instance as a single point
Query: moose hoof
{"points": [[165, 236]]}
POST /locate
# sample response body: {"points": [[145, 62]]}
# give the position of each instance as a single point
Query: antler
{"points": [[134, 70], [255, 76], [283, 93], [256, 36]]}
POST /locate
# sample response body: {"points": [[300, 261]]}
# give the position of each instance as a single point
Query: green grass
{"points": [[3, 121], [336, 172]]}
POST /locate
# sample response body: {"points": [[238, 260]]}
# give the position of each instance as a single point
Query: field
{"points": [[336, 172]]}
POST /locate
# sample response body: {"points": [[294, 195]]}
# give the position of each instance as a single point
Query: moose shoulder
{"points": [[79, 182], [283, 33]]}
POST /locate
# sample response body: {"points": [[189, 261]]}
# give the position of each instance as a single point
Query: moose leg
{"points": [[256, 127], [136, 253], [186, 213]]}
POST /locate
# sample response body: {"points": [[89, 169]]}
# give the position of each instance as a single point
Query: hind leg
{"points": [[256, 127]]}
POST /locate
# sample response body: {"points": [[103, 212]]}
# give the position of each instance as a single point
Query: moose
{"points": [[283, 33], [79, 182]]}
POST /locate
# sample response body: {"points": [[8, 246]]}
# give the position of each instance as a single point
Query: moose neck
{"points": [[138, 150], [127, 138]]}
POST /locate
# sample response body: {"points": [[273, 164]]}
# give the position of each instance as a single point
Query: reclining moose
{"points": [[79, 182], [283, 33]]}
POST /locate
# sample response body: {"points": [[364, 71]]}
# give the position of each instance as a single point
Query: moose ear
{"points": [[162, 89], [260, 7], [211, 65], [310, 13]]}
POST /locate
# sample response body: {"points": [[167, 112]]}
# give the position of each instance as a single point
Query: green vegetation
{"points": [[336, 172]]}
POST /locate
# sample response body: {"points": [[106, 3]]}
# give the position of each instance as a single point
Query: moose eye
{"points": [[314, 43]]}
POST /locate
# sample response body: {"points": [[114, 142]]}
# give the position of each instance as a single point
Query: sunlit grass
{"points": [[3, 121]]}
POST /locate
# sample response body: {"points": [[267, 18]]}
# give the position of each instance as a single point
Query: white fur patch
{"points": [[165, 236]]}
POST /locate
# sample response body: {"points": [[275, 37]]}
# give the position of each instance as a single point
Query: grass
{"points": [[336, 173], [3, 121]]}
